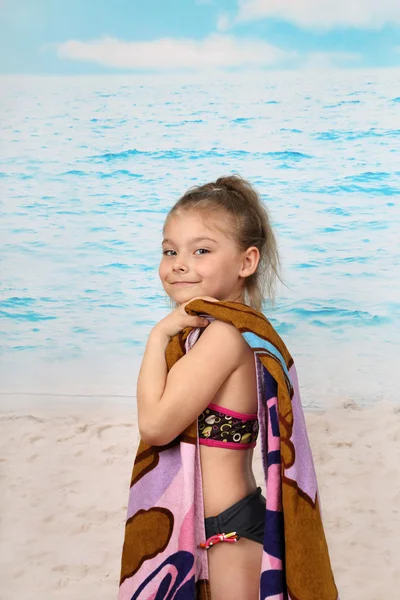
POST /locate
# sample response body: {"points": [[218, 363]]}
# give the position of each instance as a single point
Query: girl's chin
{"points": [[182, 297]]}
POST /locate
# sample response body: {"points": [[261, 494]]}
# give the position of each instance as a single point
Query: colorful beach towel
{"points": [[161, 557]]}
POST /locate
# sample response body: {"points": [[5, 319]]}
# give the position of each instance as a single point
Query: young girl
{"points": [[218, 245]]}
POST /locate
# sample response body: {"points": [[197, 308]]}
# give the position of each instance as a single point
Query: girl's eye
{"points": [[166, 251]]}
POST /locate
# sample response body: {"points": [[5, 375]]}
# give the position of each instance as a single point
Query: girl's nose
{"points": [[179, 265]]}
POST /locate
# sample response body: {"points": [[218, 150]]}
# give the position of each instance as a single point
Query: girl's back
{"points": [[227, 477], [227, 473]]}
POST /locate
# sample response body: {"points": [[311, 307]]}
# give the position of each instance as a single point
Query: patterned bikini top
{"points": [[219, 426]]}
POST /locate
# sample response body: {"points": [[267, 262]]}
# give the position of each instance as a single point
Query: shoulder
{"points": [[220, 338], [221, 328]]}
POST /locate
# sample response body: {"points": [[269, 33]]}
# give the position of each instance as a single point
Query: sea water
{"points": [[90, 166]]}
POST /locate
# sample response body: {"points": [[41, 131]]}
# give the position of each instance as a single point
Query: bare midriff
{"points": [[227, 477]]}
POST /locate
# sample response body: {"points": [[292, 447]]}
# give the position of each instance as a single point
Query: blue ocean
{"points": [[90, 166]]}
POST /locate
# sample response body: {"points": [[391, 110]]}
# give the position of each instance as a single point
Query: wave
{"points": [[27, 316], [291, 130], [343, 103], [117, 173], [382, 190], [191, 154], [355, 135], [369, 176], [335, 316], [116, 266], [16, 301], [242, 120]]}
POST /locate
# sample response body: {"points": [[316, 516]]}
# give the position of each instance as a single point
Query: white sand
{"points": [[64, 482]]}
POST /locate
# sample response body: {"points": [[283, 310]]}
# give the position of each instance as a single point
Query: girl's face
{"points": [[199, 261]]}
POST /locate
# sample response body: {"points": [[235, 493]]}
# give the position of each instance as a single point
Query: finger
{"points": [[200, 322]]}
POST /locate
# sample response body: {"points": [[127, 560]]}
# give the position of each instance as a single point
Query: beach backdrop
{"points": [[91, 165], [109, 113]]}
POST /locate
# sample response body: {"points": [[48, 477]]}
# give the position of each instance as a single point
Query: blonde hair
{"points": [[251, 226]]}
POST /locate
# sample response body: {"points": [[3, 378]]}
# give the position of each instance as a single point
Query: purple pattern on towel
{"points": [[151, 487]]}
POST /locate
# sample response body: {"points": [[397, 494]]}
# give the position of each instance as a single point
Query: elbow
{"points": [[151, 439], [150, 435]]}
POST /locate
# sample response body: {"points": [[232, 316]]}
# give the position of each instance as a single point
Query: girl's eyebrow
{"points": [[191, 240]]}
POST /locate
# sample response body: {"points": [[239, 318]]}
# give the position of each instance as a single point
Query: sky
{"points": [[67, 37]]}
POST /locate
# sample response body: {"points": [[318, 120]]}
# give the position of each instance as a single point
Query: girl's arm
{"points": [[151, 381], [168, 402]]}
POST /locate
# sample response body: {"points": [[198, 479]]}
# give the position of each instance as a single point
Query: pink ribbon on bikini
{"points": [[220, 537]]}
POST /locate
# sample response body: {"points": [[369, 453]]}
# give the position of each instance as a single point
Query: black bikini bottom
{"points": [[246, 517]]}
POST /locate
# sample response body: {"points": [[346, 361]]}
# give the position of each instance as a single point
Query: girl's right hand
{"points": [[178, 319]]}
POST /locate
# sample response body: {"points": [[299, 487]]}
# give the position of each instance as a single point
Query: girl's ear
{"points": [[251, 259]]}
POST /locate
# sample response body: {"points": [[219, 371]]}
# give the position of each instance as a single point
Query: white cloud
{"points": [[323, 14], [215, 51]]}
